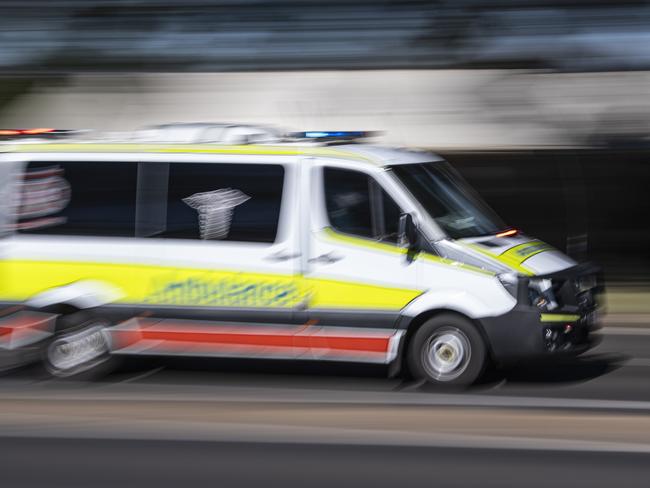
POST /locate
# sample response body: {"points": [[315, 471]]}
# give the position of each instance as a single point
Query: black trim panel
{"points": [[519, 334], [244, 315], [351, 318], [326, 317]]}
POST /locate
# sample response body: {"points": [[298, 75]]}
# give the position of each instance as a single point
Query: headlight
{"points": [[510, 282], [540, 292]]}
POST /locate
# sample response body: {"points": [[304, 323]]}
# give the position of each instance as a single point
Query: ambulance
{"points": [[309, 246]]}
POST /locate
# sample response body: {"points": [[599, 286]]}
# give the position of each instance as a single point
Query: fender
{"points": [[492, 302], [80, 294]]}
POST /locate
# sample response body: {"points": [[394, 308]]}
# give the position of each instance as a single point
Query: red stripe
{"points": [[199, 349], [126, 337], [371, 344]]}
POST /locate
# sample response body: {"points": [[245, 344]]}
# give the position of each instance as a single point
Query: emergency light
{"points": [[321, 135], [40, 131]]}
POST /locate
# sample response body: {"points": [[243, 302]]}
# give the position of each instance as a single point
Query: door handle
{"points": [[282, 256], [327, 258]]}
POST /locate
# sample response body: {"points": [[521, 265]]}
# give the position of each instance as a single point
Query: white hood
{"points": [[521, 254]]}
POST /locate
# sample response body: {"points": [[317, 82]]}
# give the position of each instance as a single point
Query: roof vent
{"points": [[204, 133]]}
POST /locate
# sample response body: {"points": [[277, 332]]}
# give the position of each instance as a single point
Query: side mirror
{"points": [[408, 236]]}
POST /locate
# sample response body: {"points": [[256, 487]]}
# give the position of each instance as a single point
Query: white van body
{"points": [[313, 289]]}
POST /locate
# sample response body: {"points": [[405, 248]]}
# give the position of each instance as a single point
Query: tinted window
{"points": [[455, 206], [357, 205], [347, 196], [78, 198], [209, 201]]}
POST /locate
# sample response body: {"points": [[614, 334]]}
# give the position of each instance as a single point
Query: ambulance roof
{"points": [[363, 153]]}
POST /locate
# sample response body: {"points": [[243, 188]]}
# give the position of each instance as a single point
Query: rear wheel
{"points": [[447, 350], [80, 347]]}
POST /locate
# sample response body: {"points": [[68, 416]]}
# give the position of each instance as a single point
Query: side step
{"points": [[150, 336]]}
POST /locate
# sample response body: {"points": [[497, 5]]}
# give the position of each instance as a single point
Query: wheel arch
{"points": [[79, 295], [411, 325]]}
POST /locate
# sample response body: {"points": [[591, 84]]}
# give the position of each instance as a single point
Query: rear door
{"points": [[202, 252]]}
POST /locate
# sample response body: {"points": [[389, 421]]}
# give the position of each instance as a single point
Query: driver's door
{"points": [[358, 278]]}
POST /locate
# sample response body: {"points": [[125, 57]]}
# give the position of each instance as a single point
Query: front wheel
{"points": [[448, 350]]}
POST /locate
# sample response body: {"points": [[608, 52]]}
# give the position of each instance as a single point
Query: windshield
{"points": [[445, 195]]}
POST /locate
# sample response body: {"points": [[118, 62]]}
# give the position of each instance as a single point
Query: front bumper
{"points": [[524, 333], [527, 332]]}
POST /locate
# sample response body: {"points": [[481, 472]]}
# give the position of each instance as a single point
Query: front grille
{"points": [[579, 291], [571, 294]]}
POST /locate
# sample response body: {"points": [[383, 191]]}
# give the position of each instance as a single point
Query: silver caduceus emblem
{"points": [[215, 210]]}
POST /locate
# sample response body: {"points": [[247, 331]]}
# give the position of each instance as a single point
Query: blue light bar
{"points": [[331, 134]]}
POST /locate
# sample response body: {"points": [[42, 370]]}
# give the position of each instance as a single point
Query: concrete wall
{"points": [[478, 108]]}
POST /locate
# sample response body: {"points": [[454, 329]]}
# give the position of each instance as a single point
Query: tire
{"points": [[447, 350], [79, 348]]}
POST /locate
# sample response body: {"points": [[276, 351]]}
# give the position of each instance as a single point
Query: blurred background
{"points": [[543, 105]]}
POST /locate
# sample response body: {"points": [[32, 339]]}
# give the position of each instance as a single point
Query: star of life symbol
{"points": [[215, 210]]}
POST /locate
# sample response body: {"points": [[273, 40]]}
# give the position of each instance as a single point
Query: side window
{"points": [[357, 205], [212, 201], [78, 198], [347, 196]]}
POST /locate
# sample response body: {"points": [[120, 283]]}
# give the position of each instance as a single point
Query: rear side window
{"points": [[357, 205], [210, 201], [78, 198]]}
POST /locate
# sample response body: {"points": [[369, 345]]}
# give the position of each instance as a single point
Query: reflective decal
{"points": [[334, 236], [215, 210], [527, 250], [556, 317], [515, 256], [266, 150], [158, 285], [230, 291]]}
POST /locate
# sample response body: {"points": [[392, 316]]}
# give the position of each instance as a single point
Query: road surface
{"points": [[159, 423]]}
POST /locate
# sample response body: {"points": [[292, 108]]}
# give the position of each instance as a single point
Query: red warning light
{"points": [[508, 233], [26, 132], [36, 131]]}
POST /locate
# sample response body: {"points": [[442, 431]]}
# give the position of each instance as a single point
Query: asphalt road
{"points": [[76, 463], [583, 422]]}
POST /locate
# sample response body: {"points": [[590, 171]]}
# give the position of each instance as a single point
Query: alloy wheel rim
{"points": [[446, 354]]}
